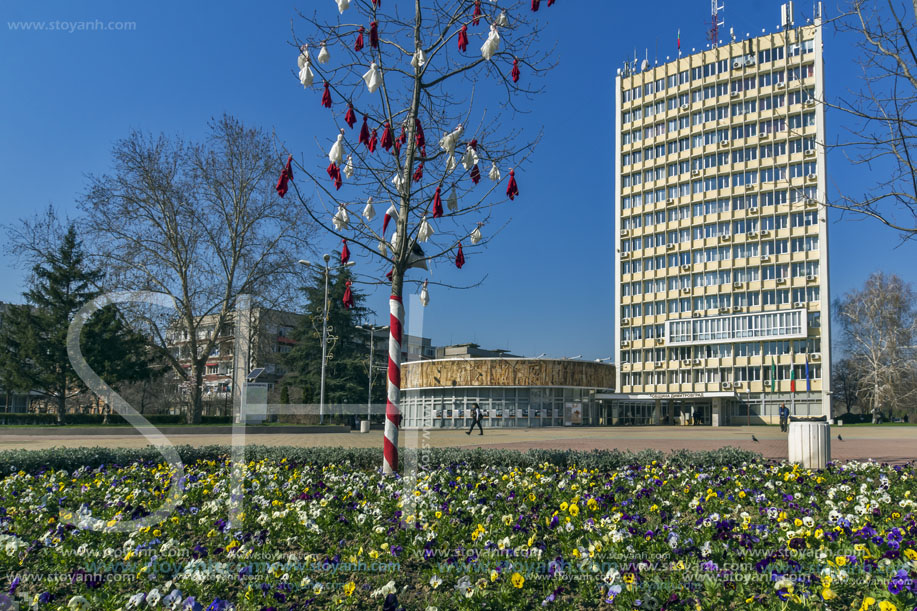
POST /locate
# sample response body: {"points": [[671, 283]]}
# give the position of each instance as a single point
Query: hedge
{"points": [[51, 419], [370, 458]]}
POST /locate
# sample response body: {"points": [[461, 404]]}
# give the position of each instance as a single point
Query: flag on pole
{"points": [[773, 376], [792, 378], [808, 379], [678, 37]]}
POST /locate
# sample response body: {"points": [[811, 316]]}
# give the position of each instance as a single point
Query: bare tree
{"points": [[883, 112], [415, 131], [846, 385], [878, 326], [200, 222]]}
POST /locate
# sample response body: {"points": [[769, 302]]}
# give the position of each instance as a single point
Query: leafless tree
{"points": [[878, 327], [200, 222], [882, 113], [451, 76], [845, 383]]}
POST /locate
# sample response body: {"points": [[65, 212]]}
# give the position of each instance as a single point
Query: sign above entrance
{"points": [[663, 395]]}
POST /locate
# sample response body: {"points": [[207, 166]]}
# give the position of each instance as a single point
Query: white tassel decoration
{"points": [[425, 232], [397, 180], [490, 45], [303, 56], [373, 78], [448, 141], [494, 174], [306, 76], [476, 235], [348, 167], [501, 20], [323, 55], [341, 220], [424, 295], [343, 5], [452, 201], [369, 212], [419, 59], [383, 248], [470, 158], [450, 164], [336, 154], [396, 242]]}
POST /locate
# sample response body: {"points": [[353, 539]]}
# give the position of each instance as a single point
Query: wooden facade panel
{"points": [[506, 372]]}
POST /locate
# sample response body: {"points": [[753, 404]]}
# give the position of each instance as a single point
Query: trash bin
{"points": [[809, 442], [364, 426]]}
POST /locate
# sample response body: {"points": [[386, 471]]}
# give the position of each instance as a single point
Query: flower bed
{"points": [[465, 535]]}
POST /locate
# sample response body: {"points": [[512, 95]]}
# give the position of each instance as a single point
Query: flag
{"points": [[792, 378], [773, 376], [808, 379], [678, 36]]}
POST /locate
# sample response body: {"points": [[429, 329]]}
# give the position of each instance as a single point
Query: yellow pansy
{"points": [[517, 580]]}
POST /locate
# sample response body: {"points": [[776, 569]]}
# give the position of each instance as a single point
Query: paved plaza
{"points": [[883, 444]]}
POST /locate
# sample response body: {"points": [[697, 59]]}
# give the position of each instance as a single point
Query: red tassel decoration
{"points": [[385, 222], [535, 4], [515, 73], [460, 257], [512, 189], [335, 174], [421, 139], [345, 252], [326, 97], [418, 173], [379, 3], [350, 118], [373, 141], [437, 204], [358, 46], [550, 2], [286, 175], [475, 174], [476, 16], [364, 132], [348, 296], [463, 39], [387, 137], [389, 274], [374, 34], [474, 143]]}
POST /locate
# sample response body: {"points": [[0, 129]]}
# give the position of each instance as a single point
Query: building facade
{"points": [[722, 300], [512, 392]]}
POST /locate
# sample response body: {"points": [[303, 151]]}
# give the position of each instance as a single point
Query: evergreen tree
{"points": [[33, 339], [345, 371]]}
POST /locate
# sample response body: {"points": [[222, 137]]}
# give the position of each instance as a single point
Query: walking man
{"points": [[475, 419], [784, 418]]}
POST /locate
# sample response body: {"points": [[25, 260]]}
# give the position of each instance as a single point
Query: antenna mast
{"points": [[715, 21]]}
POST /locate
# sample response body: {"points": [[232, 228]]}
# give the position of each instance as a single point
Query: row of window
{"points": [[800, 269], [702, 303], [722, 351], [718, 67], [713, 230], [722, 253], [738, 132], [720, 158], [684, 331], [763, 325], [726, 181], [723, 374]]}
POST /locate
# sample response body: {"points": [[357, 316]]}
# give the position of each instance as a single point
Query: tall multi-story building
{"points": [[722, 301]]}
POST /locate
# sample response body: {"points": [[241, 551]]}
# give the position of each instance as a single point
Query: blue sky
{"points": [[68, 96]]}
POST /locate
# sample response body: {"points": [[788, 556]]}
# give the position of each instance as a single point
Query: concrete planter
{"points": [[809, 443], [364, 426]]}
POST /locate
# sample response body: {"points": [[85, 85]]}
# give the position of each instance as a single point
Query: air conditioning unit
{"points": [[734, 94], [780, 85], [625, 321], [752, 234], [781, 280], [764, 135], [695, 314], [684, 107], [811, 177], [810, 102], [815, 356], [727, 385], [686, 291], [723, 310], [660, 340], [685, 268], [697, 361], [737, 385], [671, 200], [625, 343], [810, 153], [660, 364], [811, 202], [725, 238], [670, 246], [724, 143], [765, 258], [685, 361], [750, 186], [625, 232], [736, 308], [765, 233], [739, 63], [752, 211], [695, 172], [811, 278], [625, 255], [737, 285], [799, 304]]}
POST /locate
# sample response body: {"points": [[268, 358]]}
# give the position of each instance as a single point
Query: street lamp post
{"points": [[326, 269], [372, 335]]}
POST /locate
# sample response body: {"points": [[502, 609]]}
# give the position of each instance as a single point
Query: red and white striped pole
{"points": [[393, 403]]}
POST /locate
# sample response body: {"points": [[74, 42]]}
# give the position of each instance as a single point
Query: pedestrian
{"points": [[784, 418], [475, 419]]}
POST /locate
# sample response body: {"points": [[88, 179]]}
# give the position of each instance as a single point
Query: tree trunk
{"points": [[196, 406], [61, 407], [393, 383]]}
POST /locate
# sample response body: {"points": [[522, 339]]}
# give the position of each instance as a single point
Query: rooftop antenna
{"points": [[646, 61], [715, 21], [732, 34], [786, 15]]}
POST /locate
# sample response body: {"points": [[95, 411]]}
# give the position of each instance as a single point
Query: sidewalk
{"points": [[883, 444]]}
